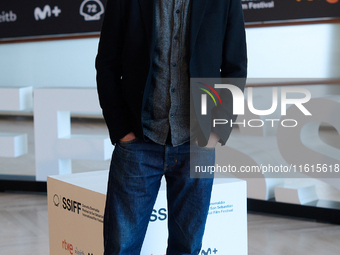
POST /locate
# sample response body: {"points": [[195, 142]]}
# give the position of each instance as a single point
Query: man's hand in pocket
{"points": [[130, 136]]}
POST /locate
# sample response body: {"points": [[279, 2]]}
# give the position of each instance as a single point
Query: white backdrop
{"points": [[301, 51]]}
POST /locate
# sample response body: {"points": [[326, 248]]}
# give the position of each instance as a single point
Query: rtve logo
{"points": [[67, 246]]}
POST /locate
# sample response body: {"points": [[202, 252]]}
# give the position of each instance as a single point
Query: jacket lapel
{"points": [[197, 14], [147, 8]]}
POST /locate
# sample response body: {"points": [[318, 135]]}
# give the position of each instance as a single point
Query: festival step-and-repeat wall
{"points": [[51, 18]]}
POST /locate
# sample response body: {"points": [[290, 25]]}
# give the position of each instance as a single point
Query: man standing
{"points": [[148, 51]]}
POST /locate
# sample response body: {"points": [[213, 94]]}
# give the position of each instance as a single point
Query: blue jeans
{"points": [[134, 180]]}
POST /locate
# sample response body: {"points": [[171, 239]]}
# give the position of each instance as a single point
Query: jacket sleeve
{"points": [[109, 72], [233, 68]]}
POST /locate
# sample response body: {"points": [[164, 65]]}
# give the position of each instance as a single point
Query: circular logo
{"points": [[91, 9], [56, 200], [332, 1]]}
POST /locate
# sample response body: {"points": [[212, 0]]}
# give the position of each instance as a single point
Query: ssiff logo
{"points": [[66, 204], [56, 200], [158, 215]]}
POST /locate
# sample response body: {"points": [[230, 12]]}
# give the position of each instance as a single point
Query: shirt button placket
{"points": [[175, 72]]}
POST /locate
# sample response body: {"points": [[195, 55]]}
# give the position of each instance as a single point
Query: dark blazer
{"points": [[124, 60]]}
